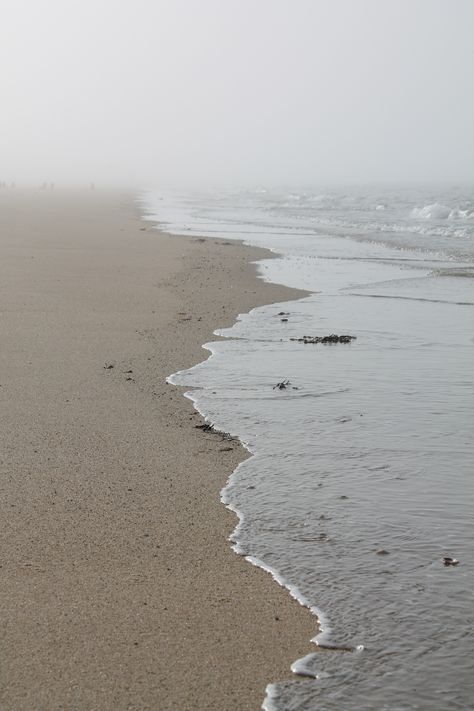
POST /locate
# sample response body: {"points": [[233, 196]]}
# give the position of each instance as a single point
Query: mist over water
{"points": [[369, 447], [188, 93]]}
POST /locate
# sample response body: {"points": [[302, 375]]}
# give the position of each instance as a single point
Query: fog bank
{"points": [[199, 92]]}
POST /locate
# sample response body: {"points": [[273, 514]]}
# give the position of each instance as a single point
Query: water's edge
{"points": [[324, 493], [300, 667]]}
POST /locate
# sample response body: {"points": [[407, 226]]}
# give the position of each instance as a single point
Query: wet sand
{"points": [[118, 587]]}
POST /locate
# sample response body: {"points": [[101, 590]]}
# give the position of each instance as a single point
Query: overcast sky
{"points": [[147, 92]]}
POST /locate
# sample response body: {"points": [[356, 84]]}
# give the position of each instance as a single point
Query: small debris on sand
{"points": [[206, 427], [225, 436], [108, 366]]}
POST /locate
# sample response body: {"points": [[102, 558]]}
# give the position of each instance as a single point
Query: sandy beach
{"points": [[118, 587]]}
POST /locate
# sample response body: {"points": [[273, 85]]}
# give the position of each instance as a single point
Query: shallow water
{"points": [[369, 448]]}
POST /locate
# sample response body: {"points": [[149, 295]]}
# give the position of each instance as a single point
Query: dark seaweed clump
{"points": [[333, 338]]}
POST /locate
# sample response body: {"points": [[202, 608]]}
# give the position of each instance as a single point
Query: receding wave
{"points": [[414, 298], [465, 272]]}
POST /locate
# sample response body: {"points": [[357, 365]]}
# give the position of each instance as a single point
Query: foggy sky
{"points": [[236, 91]]}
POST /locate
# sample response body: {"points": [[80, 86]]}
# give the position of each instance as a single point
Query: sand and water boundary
{"points": [[118, 587]]}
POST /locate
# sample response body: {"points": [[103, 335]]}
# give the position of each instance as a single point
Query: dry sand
{"points": [[118, 587]]}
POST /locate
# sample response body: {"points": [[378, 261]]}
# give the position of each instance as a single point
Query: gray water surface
{"points": [[368, 449]]}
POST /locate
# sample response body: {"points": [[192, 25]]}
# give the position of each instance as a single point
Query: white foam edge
{"points": [[324, 628], [300, 667]]}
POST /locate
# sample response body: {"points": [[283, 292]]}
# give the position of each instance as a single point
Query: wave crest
{"points": [[437, 211]]}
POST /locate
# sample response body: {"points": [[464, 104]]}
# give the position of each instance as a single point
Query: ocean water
{"points": [[361, 479]]}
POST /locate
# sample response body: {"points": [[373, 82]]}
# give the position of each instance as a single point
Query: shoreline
{"points": [[120, 589]]}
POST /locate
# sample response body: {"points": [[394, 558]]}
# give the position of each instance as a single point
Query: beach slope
{"points": [[118, 587]]}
